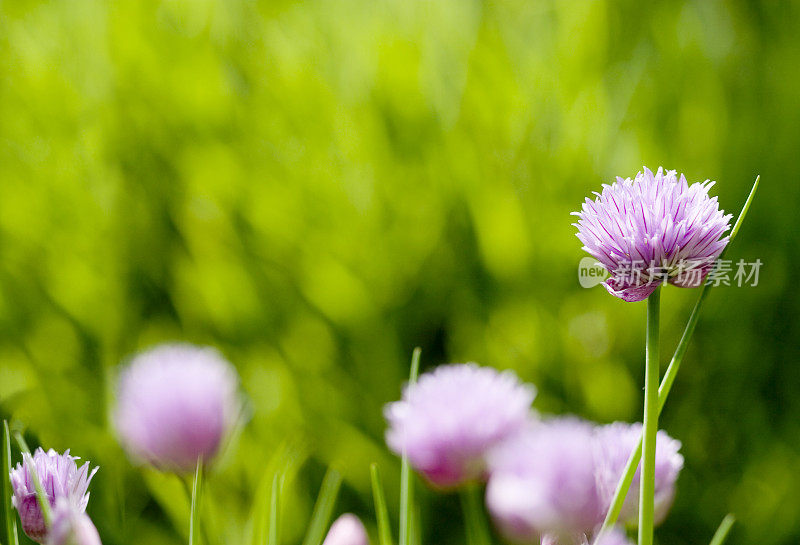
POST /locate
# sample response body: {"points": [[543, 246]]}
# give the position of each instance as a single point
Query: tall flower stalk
{"points": [[647, 231], [669, 377], [194, 514], [650, 421], [406, 478]]}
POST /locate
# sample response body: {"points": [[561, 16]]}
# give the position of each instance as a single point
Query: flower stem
{"points": [[194, 514], [406, 477], [475, 525], [273, 534], [323, 508], [650, 424], [722, 531], [381, 511]]}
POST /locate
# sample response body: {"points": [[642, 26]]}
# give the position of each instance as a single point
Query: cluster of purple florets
{"points": [[65, 486], [652, 229], [548, 479]]}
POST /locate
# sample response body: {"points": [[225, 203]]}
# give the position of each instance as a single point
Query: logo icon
{"points": [[591, 273]]}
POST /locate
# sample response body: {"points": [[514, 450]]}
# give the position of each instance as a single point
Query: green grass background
{"points": [[316, 188]]}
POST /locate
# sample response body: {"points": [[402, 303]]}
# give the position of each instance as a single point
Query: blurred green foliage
{"points": [[318, 187]]}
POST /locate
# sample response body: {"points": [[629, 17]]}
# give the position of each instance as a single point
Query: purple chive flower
{"points": [[542, 481], [615, 442], [656, 227], [61, 479], [175, 404], [71, 526], [347, 530], [452, 416]]}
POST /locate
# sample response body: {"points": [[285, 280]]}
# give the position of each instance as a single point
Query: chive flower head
{"points": [[61, 480], [449, 420], [175, 404], [652, 229]]}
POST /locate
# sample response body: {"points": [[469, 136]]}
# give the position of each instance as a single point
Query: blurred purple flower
{"points": [[347, 530], [542, 481], [653, 228], [615, 442], [71, 526], [61, 479], [452, 416], [175, 404]]}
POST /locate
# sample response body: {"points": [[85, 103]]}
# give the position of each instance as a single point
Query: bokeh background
{"points": [[316, 188]]}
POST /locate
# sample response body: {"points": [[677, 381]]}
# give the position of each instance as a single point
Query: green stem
{"points": [[274, 514], [650, 424], [381, 511], [669, 377], [406, 477], [722, 531], [416, 527], [475, 524], [194, 514], [11, 520], [323, 508], [663, 392]]}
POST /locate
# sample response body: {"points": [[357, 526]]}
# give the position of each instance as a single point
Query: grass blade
{"points": [[743, 213], [323, 508], [416, 527], [11, 519], [381, 511], [722, 531], [669, 377], [475, 525], [274, 514], [194, 514], [406, 477]]}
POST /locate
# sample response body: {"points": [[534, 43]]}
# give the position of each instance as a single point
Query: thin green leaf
{"points": [[722, 531], [273, 534], [743, 213], [283, 463], [194, 514], [41, 497], [669, 377], [475, 525], [381, 511], [416, 527], [406, 477], [323, 508], [11, 519]]}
